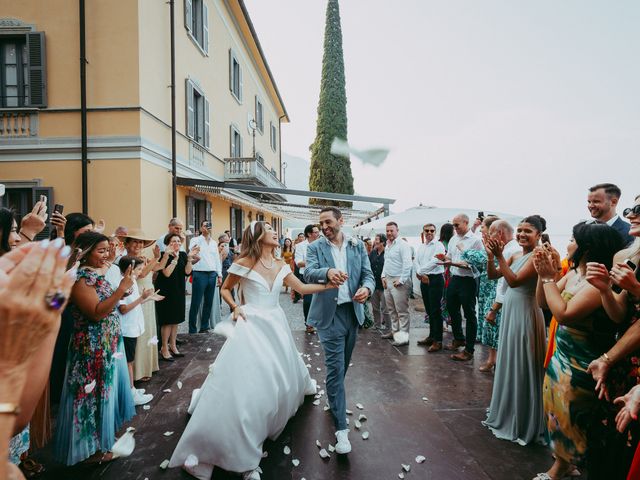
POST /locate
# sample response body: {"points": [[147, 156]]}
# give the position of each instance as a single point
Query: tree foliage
{"points": [[330, 173]]}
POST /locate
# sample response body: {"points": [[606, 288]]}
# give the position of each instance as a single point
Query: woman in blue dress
{"points": [[96, 399]]}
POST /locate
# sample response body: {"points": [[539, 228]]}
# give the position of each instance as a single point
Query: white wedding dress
{"points": [[254, 387]]}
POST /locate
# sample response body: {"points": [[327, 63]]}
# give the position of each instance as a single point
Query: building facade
{"points": [[225, 98]]}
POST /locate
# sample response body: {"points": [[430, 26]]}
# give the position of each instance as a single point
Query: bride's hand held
{"points": [[237, 313]]}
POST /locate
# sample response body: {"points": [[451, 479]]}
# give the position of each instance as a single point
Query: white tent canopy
{"points": [[411, 221]]}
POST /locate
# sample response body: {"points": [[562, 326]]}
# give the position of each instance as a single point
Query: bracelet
{"points": [[606, 357], [10, 408], [25, 236], [548, 280]]}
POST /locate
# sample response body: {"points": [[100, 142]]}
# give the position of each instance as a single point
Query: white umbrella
{"points": [[410, 221]]}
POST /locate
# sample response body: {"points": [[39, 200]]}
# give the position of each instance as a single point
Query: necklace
{"points": [[273, 262]]}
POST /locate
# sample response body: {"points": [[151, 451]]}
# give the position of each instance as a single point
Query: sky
{"points": [[485, 104]]}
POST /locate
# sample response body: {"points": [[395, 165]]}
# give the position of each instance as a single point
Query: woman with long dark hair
{"points": [[96, 399], [258, 380], [572, 411]]}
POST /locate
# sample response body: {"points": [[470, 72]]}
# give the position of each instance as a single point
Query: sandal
{"points": [[98, 458], [30, 468]]}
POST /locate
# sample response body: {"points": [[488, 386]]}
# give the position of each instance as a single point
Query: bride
{"points": [[258, 380]]}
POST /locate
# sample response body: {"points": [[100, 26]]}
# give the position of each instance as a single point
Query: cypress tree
{"points": [[330, 173]]}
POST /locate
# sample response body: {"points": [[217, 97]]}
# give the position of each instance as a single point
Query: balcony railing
{"points": [[18, 123], [249, 170]]}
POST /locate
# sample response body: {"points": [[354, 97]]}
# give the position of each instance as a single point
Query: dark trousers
{"points": [[432, 298], [203, 288], [296, 295], [461, 292]]}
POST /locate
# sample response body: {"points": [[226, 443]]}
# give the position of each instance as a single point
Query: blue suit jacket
{"points": [[622, 228], [319, 261]]}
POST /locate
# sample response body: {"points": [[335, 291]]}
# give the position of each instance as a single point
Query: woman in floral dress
{"points": [[96, 399], [477, 260]]}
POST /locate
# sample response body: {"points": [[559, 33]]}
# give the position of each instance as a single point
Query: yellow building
{"points": [[225, 94]]}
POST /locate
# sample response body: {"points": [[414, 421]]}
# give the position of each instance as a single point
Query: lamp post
{"points": [[284, 172]]}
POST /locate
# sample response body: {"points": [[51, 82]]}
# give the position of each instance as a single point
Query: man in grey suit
{"points": [[336, 314]]}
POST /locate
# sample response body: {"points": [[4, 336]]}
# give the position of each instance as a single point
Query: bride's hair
{"points": [[251, 244]]}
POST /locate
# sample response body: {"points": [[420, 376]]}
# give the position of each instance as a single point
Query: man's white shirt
{"points": [[469, 241], [339, 255], [426, 261], [397, 261], [300, 254], [209, 256]]}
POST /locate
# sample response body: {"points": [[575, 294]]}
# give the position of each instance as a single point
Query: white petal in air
{"points": [[153, 340], [191, 461], [373, 156], [287, 450], [420, 459], [295, 462], [89, 387]]}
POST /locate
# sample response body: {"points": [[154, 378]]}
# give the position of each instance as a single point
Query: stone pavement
{"points": [[415, 403]]}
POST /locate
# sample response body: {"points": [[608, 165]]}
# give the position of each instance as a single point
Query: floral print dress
{"points": [[487, 332], [96, 399]]}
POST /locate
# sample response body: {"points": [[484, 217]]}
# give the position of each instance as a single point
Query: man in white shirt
{"points": [[462, 288], [396, 280], [602, 202], [175, 227], [430, 272], [207, 275], [501, 231], [311, 234]]}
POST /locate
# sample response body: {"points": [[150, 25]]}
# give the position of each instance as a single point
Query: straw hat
{"points": [[136, 234]]}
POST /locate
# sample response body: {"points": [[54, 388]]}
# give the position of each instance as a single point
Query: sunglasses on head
{"points": [[635, 210]]}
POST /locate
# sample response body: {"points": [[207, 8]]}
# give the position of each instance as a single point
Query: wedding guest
{"points": [[77, 224], [571, 407], [430, 273], [119, 233], [287, 255], [311, 234], [175, 227], [516, 412], [9, 237], [96, 399], [207, 276], [461, 291], [500, 231], [171, 284], [368, 245], [226, 255], [616, 371], [446, 233], [396, 280], [146, 353], [295, 296], [477, 260], [602, 202], [381, 317], [31, 317], [132, 321]]}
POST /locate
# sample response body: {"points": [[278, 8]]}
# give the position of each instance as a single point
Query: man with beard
{"points": [[602, 202]]}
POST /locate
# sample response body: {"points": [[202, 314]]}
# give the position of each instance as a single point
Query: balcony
{"points": [[252, 172], [18, 122]]}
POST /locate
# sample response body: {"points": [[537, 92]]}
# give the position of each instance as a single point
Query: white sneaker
{"points": [[139, 398], [141, 391], [343, 445], [252, 475]]}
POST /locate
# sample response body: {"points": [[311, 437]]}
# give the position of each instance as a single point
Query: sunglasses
{"points": [[456, 225], [635, 211], [429, 230]]}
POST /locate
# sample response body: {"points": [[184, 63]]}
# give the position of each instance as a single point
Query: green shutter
{"points": [[37, 69]]}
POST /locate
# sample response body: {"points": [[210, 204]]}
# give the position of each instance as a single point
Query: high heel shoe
{"points": [[487, 367], [166, 359], [175, 354]]}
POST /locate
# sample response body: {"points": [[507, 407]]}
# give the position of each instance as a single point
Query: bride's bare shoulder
{"points": [[244, 262]]}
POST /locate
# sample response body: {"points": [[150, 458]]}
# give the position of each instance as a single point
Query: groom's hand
{"points": [[336, 277], [361, 295]]}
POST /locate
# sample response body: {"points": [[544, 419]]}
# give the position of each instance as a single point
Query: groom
{"points": [[336, 314]]}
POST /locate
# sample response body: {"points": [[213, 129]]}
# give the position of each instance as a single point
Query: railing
{"points": [[18, 123], [196, 155], [250, 170]]}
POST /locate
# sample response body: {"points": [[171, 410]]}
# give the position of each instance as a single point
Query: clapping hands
{"points": [[492, 246], [630, 407], [544, 263], [148, 295]]}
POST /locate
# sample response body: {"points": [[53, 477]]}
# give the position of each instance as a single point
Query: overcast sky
{"points": [[485, 104]]}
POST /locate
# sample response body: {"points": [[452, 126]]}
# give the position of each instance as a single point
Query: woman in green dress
{"points": [[572, 410]]}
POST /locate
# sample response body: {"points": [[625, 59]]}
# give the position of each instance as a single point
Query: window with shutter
{"points": [[36, 86], [235, 142], [205, 27], [207, 124], [188, 14], [191, 118], [235, 76], [259, 115], [274, 136], [196, 19]]}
